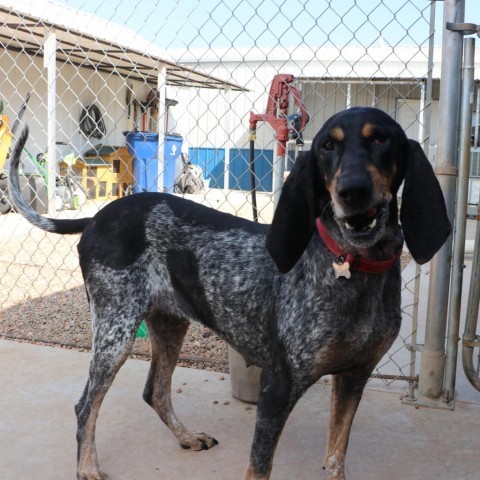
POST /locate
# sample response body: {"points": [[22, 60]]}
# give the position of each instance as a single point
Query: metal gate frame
{"points": [[438, 363]]}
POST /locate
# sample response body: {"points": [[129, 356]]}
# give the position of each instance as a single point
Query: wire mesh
{"points": [[213, 62]]}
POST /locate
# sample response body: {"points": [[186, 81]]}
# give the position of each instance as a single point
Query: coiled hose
{"points": [[91, 122]]}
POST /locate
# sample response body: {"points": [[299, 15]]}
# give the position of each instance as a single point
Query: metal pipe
{"points": [[348, 100], [477, 118], [429, 86], [424, 139], [228, 117], [278, 173], [357, 81], [402, 378], [50, 63], [413, 353], [279, 162], [253, 191], [421, 114], [432, 363], [162, 122], [471, 320], [469, 335], [466, 109]]}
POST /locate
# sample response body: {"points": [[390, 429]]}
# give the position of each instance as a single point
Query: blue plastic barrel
{"points": [[143, 146]]}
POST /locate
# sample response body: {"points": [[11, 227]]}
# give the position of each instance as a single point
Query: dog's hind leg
{"points": [[114, 334], [166, 335]]}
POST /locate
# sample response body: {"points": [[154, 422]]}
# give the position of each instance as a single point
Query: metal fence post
{"points": [[228, 122], [427, 113], [470, 338], [162, 122], [460, 220], [50, 63], [433, 356]]}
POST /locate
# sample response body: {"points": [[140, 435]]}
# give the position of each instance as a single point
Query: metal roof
{"points": [[91, 42]]}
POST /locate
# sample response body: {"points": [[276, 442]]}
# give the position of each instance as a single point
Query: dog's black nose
{"points": [[355, 188]]}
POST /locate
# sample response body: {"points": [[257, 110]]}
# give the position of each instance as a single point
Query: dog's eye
{"points": [[378, 140], [328, 144]]}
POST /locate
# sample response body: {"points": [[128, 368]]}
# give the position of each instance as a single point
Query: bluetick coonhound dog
{"points": [[316, 292]]}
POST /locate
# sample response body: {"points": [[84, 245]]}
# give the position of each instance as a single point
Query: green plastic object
{"points": [[142, 331]]}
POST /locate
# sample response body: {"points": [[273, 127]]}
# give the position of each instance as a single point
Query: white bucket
{"points": [[245, 381]]}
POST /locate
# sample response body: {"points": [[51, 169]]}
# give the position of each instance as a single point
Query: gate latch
{"points": [[465, 28]]}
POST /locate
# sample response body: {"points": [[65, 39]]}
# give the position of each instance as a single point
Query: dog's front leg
{"points": [[275, 403], [347, 392]]}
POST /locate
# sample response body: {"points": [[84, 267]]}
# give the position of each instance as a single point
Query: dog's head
{"points": [[356, 165]]}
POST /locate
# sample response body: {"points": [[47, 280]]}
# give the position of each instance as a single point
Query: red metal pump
{"points": [[277, 111], [286, 126]]}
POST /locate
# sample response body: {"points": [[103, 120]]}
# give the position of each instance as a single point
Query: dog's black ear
{"points": [[294, 219], [423, 213]]}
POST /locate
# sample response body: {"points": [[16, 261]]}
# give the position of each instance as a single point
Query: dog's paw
{"points": [[92, 476], [335, 469], [198, 441]]}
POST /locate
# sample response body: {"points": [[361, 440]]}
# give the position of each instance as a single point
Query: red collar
{"points": [[356, 262]]}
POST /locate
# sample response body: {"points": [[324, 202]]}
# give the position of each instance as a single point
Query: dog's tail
{"points": [[19, 202]]}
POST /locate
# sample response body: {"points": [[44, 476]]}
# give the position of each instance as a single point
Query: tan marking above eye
{"points": [[337, 134], [368, 130]]}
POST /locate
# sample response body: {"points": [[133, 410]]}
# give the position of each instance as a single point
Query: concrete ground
{"points": [[40, 385]]}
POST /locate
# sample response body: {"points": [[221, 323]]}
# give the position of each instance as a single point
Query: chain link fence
{"points": [[91, 76]]}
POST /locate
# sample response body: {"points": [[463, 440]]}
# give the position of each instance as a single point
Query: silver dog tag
{"points": [[341, 270]]}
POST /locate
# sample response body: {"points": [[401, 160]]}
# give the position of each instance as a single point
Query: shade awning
{"points": [[91, 42]]}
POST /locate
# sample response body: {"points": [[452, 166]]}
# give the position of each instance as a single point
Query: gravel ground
{"points": [[42, 298], [64, 319]]}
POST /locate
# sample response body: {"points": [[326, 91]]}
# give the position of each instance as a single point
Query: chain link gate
{"points": [[190, 73]]}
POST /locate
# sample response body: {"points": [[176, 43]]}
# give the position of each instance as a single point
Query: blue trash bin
{"points": [[172, 152], [143, 146]]}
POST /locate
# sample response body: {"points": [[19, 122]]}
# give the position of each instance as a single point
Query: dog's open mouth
{"points": [[363, 222], [364, 226]]}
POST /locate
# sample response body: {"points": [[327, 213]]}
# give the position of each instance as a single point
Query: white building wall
{"points": [[201, 114], [255, 68], [213, 118], [76, 89]]}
